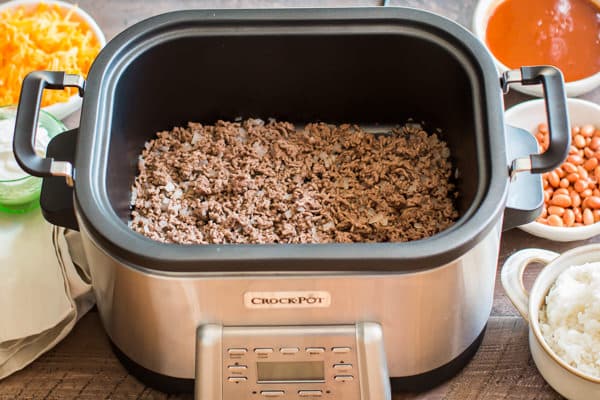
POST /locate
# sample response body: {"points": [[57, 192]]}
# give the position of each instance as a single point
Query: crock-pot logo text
{"points": [[295, 299]]}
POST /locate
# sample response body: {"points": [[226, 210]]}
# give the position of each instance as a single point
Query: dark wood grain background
{"points": [[83, 367]]}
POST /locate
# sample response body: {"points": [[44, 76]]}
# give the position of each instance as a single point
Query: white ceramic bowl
{"points": [[483, 11], [64, 109], [527, 116], [565, 379]]}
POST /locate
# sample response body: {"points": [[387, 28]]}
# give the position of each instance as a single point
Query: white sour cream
{"points": [[9, 169]]}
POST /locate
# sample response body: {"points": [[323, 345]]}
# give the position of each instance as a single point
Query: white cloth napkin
{"points": [[43, 289]]}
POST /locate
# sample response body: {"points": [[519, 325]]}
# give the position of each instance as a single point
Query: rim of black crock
{"points": [[116, 239]]}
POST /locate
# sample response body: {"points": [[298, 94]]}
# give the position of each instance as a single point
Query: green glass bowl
{"points": [[21, 195]]}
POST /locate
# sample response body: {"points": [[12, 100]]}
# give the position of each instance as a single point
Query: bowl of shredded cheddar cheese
{"points": [[46, 35]]}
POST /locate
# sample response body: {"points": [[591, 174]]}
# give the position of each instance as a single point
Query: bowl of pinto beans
{"points": [[572, 191]]}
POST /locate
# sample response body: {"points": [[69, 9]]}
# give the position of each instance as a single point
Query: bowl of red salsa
{"points": [[562, 33]]}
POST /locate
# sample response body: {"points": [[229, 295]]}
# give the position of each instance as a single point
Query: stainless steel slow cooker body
{"points": [[375, 67]]}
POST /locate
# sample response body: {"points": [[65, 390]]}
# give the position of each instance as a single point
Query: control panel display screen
{"points": [[290, 371]]}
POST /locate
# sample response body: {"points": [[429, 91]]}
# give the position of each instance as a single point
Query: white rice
{"points": [[570, 319]]}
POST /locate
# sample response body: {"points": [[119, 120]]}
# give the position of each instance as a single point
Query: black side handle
{"points": [[56, 200], [27, 122], [558, 118], [525, 193]]}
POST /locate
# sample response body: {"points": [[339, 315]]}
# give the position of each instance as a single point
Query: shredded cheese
{"points": [[43, 37]]}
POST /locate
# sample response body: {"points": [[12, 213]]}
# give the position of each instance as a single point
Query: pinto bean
{"points": [[578, 215], [592, 202], [580, 185], [575, 159], [588, 217], [561, 191], [569, 168], [561, 200], [579, 141], [587, 130], [588, 152], [575, 199], [555, 210], [590, 164], [568, 217], [572, 178], [555, 220], [553, 179]]}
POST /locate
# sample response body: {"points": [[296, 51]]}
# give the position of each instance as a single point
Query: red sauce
{"points": [[563, 33]]}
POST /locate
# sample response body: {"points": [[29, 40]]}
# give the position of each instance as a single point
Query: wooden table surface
{"points": [[83, 367]]}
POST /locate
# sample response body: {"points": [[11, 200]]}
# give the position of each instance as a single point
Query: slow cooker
{"points": [[338, 321]]}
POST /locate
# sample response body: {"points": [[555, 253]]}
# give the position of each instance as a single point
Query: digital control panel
{"points": [[288, 362]]}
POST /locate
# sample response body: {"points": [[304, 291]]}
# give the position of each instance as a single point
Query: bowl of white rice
{"points": [[563, 310]]}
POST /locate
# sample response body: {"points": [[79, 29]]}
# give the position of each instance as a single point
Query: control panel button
{"points": [[272, 393], [343, 378], [237, 352], [315, 350], [310, 393], [289, 350], [263, 351], [237, 369], [342, 367], [237, 379], [341, 350]]}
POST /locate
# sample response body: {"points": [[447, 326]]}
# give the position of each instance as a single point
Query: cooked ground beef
{"points": [[251, 182]]}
